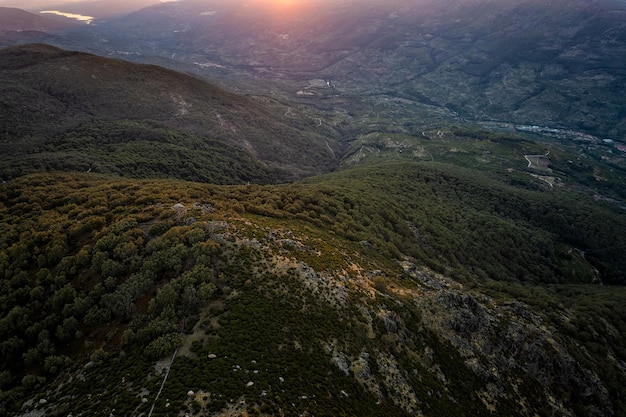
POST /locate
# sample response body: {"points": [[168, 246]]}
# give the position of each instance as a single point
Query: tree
{"points": [[64, 296], [119, 303], [52, 364], [162, 346], [67, 330]]}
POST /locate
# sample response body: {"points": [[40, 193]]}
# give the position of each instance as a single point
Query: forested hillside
{"points": [[69, 111], [392, 289]]}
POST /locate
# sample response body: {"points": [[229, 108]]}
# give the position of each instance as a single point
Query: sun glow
{"points": [[281, 3], [278, 6], [285, 3]]}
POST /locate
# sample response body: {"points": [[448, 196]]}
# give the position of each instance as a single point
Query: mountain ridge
{"points": [[14, 19], [490, 61], [275, 305], [478, 61], [74, 90]]}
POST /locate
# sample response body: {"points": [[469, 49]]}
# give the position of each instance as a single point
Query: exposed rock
{"points": [[361, 367], [470, 316], [205, 208], [341, 362], [216, 226], [34, 413], [421, 275], [391, 321], [398, 387], [367, 244], [497, 341], [291, 244], [363, 373]]}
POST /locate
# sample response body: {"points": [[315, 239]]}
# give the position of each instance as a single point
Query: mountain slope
{"points": [[302, 298], [104, 9], [66, 110], [18, 20]]}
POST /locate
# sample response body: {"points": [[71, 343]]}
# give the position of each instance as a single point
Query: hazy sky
{"points": [[99, 8], [46, 4]]}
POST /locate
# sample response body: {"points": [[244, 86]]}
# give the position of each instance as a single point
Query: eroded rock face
{"points": [[500, 342], [511, 355]]}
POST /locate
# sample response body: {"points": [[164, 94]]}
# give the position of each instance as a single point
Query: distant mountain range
{"points": [[548, 63], [12, 19]]}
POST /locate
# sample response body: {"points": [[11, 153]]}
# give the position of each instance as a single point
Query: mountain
{"points": [[555, 63], [72, 111], [459, 272], [18, 26], [12, 19], [391, 289], [365, 219]]}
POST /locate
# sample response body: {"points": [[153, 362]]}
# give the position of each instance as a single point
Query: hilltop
{"points": [[401, 289]]}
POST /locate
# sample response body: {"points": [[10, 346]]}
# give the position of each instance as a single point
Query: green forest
{"points": [[107, 273], [198, 252]]}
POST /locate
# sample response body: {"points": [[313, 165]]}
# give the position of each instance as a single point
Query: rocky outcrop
{"points": [[505, 343]]}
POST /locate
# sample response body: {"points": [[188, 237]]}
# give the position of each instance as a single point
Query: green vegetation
{"points": [[454, 219], [118, 273], [70, 111], [440, 271], [140, 150]]}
